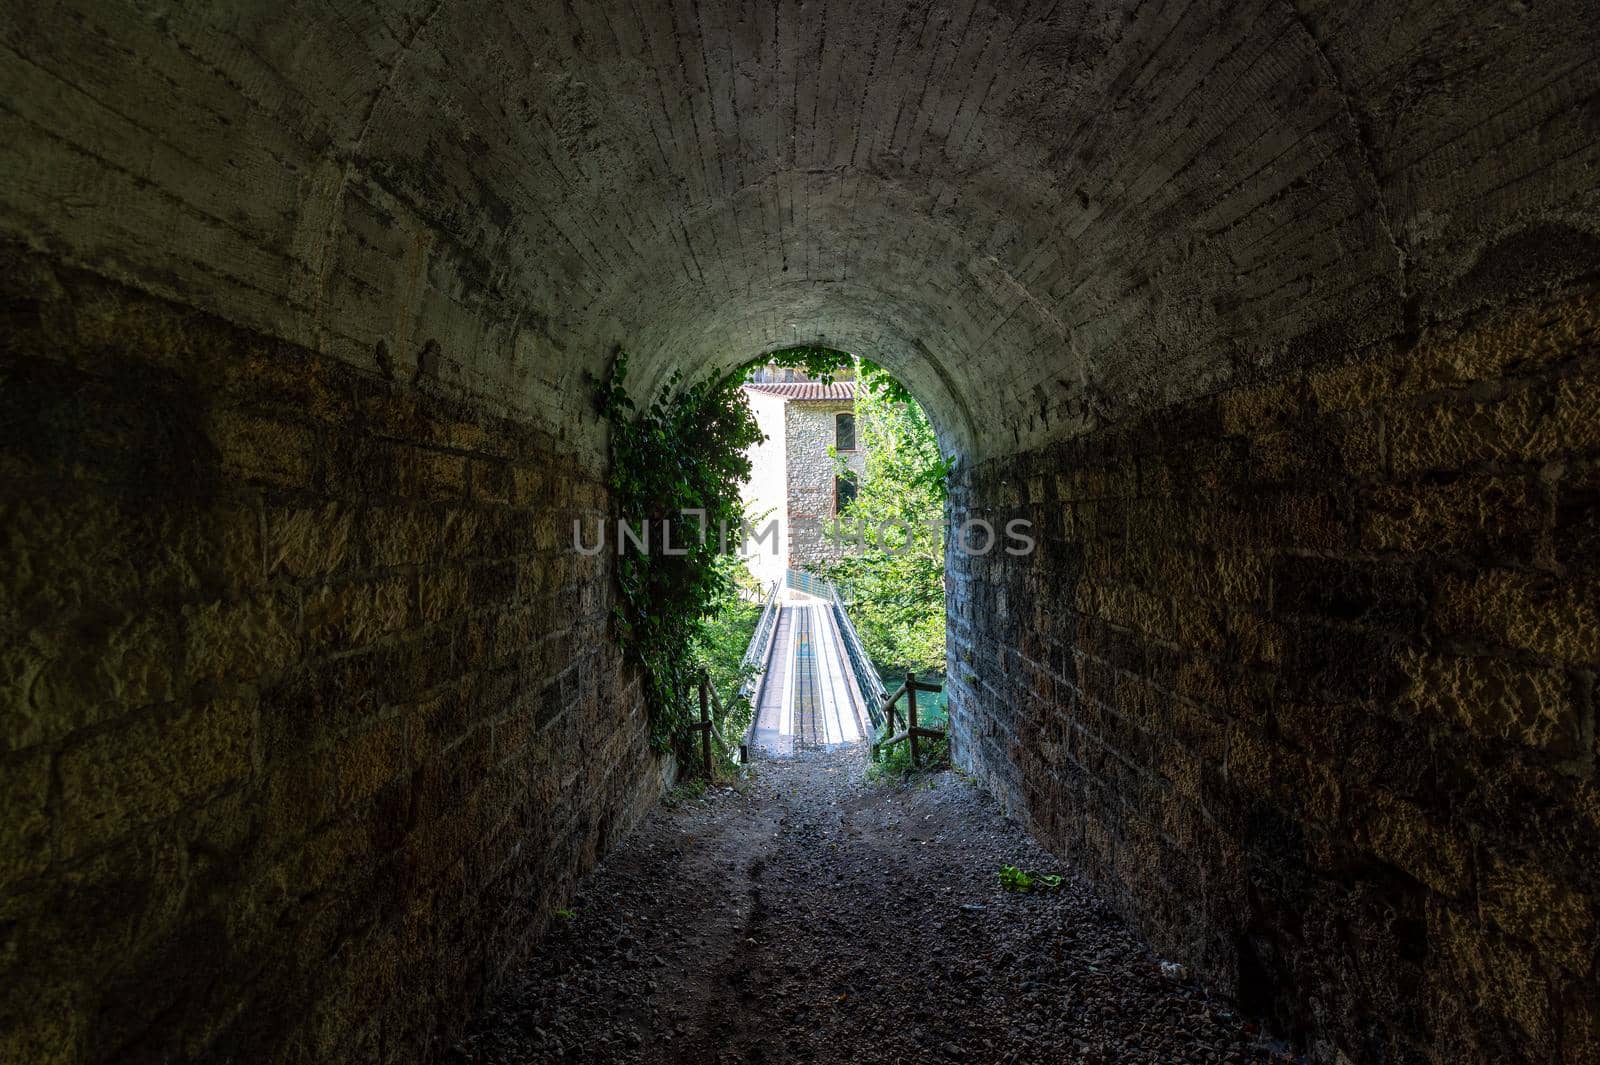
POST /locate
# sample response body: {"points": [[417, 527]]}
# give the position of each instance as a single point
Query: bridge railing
{"points": [[760, 643], [867, 679], [809, 583]]}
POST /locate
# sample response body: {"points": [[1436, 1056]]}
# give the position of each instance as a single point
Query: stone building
{"points": [[795, 484]]}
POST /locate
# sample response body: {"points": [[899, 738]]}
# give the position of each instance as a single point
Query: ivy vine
{"points": [[677, 466]]}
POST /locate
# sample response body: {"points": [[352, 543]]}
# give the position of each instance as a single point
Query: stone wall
{"points": [[811, 470], [1304, 674], [309, 714]]}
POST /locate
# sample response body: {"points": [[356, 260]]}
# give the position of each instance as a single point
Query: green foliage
{"points": [[687, 791], [1013, 878], [684, 455], [681, 456], [883, 384], [720, 642], [820, 363], [566, 915], [896, 584], [894, 763]]}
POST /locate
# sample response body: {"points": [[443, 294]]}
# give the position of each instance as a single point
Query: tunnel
{"points": [[1277, 319]]}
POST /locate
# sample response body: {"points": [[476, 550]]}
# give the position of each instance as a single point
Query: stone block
{"points": [[1399, 833], [46, 1034], [334, 853], [1510, 343], [463, 435], [1306, 520], [308, 543], [369, 759], [1198, 623], [1495, 976], [238, 640], [150, 768], [1251, 412], [1379, 594], [398, 535], [280, 376], [61, 557], [1280, 456], [354, 614], [1357, 385], [530, 485], [1539, 905], [460, 533], [1375, 751], [25, 827], [1283, 777], [262, 449], [1353, 446], [492, 586], [1496, 517], [444, 717], [491, 482], [440, 475], [1495, 699], [1526, 424], [1575, 536], [442, 592], [1531, 612], [297, 795], [1254, 638], [57, 680], [1314, 729]]}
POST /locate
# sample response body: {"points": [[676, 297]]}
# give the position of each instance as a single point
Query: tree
{"points": [[896, 584]]}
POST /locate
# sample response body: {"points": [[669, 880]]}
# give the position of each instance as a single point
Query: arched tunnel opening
{"points": [[1275, 320]]}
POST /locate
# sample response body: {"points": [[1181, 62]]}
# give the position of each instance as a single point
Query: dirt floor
{"points": [[810, 915]]}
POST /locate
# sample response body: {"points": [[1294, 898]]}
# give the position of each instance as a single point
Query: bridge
{"points": [[816, 688]]}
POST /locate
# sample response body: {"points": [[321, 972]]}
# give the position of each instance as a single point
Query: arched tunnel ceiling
{"points": [[1042, 215]]}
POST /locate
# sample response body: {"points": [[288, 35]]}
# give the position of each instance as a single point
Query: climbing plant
{"points": [[677, 465], [817, 362]]}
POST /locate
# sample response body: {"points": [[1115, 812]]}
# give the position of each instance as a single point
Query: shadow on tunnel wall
{"points": [[309, 718], [1303, 672]]}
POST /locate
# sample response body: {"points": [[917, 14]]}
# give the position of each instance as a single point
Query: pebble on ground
{"points": [[812, 915]]}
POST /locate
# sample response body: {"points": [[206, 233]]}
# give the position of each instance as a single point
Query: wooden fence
{"points": [[913, 732]]}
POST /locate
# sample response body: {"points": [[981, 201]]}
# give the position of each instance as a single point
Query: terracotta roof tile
{"points": [[810, 390]]}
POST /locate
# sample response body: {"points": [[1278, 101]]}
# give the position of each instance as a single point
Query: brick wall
{"points": [[309, 717], [1304, 673]]}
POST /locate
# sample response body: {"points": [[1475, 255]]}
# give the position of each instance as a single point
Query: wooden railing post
{"points": [[911, 716], [705, 727]]}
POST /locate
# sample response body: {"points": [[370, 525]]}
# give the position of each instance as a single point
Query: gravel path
{"points": [[812, 916]]}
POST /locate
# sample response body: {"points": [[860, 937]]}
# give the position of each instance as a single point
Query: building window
{"points": [[844, 432], [844, 492]]}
